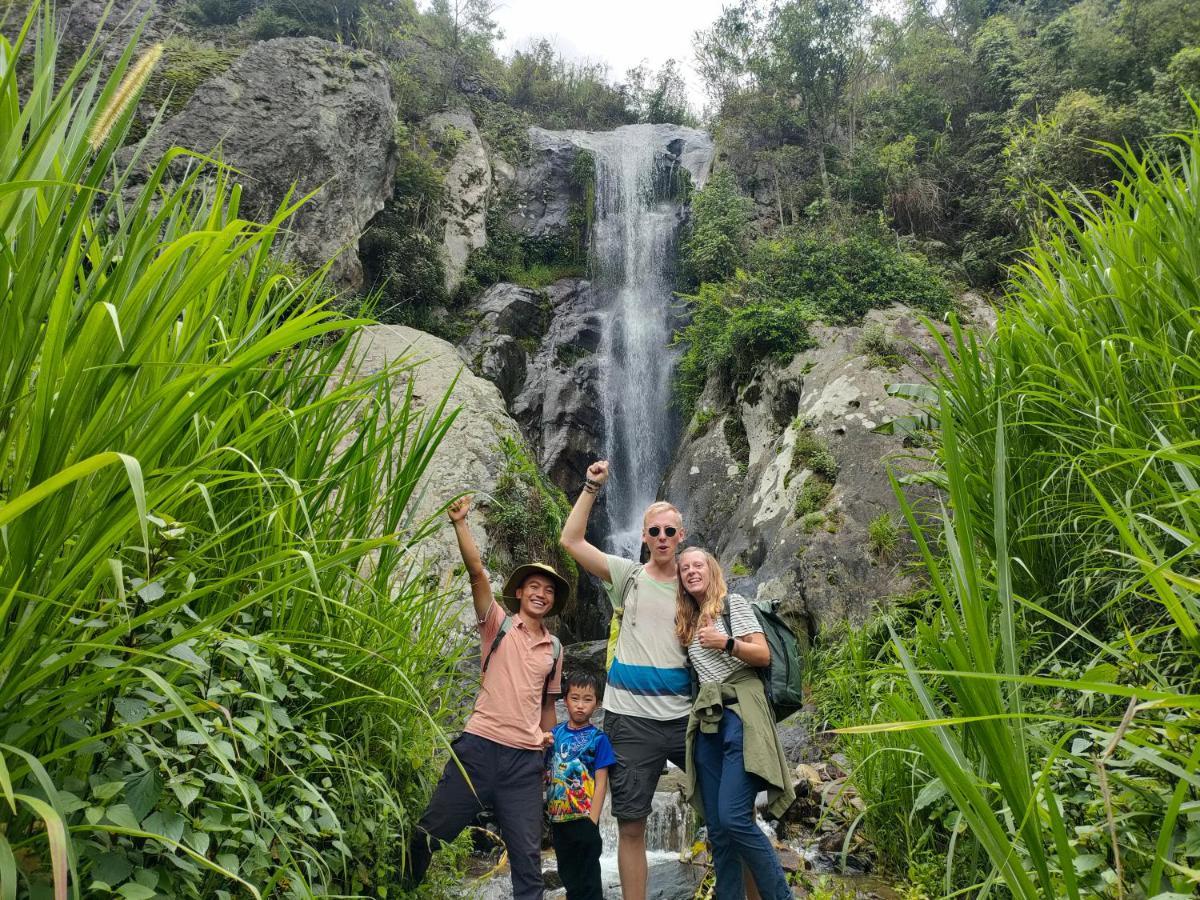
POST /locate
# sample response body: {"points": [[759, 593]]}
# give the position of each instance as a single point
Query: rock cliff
{"points": [[540, 348], [784, 481], [468, 182], [302, 111]]}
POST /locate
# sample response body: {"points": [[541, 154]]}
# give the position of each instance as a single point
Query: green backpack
{"points": [[784, 677]]}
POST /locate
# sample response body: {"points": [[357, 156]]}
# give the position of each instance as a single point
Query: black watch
{"points": [[729, 644]]}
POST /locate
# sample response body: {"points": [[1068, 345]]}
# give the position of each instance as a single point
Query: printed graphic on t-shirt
{"points": [[572, 762]]}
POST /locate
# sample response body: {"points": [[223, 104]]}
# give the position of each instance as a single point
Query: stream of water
{"points": [[639, 208]]}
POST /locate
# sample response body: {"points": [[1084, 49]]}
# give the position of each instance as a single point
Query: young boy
{"points": [[501, 748], [578, 762]]}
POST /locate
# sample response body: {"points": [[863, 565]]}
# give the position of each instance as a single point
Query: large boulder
{"points": [[469, 457], [783, 481], [302, 112], [468, 186], [560, 408]]}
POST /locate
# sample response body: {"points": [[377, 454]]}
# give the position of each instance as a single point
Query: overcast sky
{"points": [[621, 33]]}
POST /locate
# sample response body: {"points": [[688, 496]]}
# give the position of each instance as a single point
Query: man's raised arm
{"points": [[481, 588], [573, 538]]}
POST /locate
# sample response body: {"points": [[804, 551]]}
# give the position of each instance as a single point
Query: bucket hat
{"points": [[562, 587]]}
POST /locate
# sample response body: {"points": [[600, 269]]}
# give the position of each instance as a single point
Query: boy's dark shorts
{"points": [[643, 747]]}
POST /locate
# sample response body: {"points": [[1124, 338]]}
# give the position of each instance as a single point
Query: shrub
{"points": [[716, 241], [228, 677], [401, 250], [842, 280], [526, 513], [731, 335], [811, 451], [883, 536], [878, 348], [812, 496]]}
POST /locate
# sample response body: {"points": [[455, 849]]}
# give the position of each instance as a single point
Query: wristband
{"points": [[729, 645]]}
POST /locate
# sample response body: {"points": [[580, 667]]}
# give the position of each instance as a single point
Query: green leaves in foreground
{"points": [[1054, 694], [222, 672]]}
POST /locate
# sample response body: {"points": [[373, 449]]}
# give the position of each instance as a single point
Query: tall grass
{"points": [[221, 672], [1054, 691]]}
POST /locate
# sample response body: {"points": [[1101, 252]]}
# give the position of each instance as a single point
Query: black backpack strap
{"points": [[504, 627]]}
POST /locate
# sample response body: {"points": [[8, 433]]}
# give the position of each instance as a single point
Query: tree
{"points": [[717, 241], [723, 50], [812, 55], [658, 96]]}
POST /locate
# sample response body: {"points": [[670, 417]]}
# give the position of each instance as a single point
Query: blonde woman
{"points": [[733, 751]]}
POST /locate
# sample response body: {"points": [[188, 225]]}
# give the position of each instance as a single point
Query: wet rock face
{"points": [[307, 111], [540, 348], [783, 481], [541, 190]]}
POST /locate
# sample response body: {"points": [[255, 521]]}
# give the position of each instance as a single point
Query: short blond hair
{"points": [[659, 506]]}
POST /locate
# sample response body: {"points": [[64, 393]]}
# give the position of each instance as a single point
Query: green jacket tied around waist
{"points": [[760, 747]]}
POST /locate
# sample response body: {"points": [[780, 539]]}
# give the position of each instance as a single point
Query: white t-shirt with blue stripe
{"points": [[649, 675]]}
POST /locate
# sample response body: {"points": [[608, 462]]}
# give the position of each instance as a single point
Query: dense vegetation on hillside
{"points": [[949, 121]]}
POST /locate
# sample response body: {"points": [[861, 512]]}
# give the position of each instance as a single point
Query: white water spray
{"points": [[637, 217]]}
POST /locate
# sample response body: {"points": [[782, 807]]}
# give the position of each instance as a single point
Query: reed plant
{"points": [[1054, 693], [222, 673]]}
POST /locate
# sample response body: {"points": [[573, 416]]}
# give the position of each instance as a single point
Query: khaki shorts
{"points": [[643, 747]]}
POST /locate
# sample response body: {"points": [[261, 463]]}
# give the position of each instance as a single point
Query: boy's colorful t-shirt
{"points": [[572, 762]]}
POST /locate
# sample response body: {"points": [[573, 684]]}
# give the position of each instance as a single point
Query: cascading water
{"points": [[639, 206]]}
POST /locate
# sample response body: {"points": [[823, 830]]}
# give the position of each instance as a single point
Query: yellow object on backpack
{"points": [[618, 613]]}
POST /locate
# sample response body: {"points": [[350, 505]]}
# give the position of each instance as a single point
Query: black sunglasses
{"points": [[669, 531]]}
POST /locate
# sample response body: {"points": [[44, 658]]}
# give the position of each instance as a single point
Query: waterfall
{"points": [[637, 215]]}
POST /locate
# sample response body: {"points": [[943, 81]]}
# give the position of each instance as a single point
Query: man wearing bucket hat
{"points": [[500, 749]]}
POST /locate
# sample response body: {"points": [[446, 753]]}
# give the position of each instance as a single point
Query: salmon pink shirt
{"points": [[508, 709]]}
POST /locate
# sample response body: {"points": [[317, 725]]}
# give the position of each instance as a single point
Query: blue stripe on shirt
{"points": [[650, 680]]}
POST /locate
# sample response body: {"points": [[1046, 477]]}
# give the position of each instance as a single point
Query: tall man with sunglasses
{"points": [[648, 696]]}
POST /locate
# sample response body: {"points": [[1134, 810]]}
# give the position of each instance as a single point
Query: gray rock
{"points": [[469, 457], [511, 319], [541, 189], [468, 187], [81, 18], [299, 111], [741, 501], [588, 656], [560, 408], [539, 347]]}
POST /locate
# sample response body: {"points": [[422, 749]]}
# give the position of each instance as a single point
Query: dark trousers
{"points": [[577, 845], [503, 779], [727, 792]]}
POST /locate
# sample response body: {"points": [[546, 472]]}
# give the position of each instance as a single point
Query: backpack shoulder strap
{"points": [[727, 615], [628, 586], [504, 627], [555, 655]]}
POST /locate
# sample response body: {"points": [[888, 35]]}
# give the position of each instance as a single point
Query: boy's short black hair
{"points": [[581, 678]]}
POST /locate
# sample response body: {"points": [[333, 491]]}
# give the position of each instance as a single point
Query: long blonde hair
{"points": [[690, 610]]}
